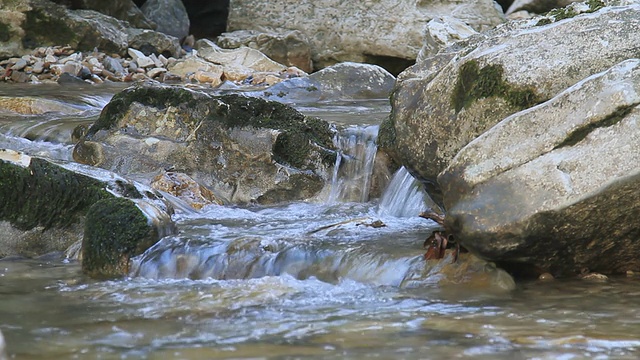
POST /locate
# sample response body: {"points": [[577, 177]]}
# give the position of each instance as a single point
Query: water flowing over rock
{"points": [[3, 345], [555, 187], [353, 170], [243, 149], [374, 32], [405, 197], [447, 100], [47, 207]]}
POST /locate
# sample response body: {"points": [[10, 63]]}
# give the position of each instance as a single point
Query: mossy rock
{"points": [[475, 83], [292, 147], [44, 194], [115, 231]]}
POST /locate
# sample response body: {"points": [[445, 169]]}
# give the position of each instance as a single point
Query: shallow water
{"points": [[300, 280], [49, 310]]}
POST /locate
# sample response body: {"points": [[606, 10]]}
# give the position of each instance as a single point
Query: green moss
{"points": [[297, 131], [44, 194], [580, 133], [156, 96], [115, 231], [475, 83], [569, 12], [595, 5], [563, 13]]}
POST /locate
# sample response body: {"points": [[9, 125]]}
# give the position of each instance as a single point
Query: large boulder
{"points": [[30, 24], [47, 207], [447, 100], [243, 149], [360, 31], [26, 24], [120, 9], [556, 186]]}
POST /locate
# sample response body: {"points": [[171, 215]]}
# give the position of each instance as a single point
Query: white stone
{"points": [[153, 73]]}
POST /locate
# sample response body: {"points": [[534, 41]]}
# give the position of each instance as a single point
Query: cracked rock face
{"points": [[447, 100], [556, 186]]}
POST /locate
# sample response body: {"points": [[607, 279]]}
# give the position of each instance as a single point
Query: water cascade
{"points": [[404, 196], [354, 166]]}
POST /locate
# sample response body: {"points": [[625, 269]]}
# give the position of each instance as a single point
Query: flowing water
{"points": [[301, 280]]}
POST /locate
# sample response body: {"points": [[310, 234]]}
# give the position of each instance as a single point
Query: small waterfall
{"points": [[404, 197], [354, 166]]}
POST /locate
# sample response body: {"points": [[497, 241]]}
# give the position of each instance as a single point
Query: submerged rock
{"points": [[47, 207], [555, 187], [28, 105], [243, 149]]}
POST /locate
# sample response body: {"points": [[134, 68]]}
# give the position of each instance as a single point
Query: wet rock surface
{"points": [[243, 149], [555, 187], [47, 206]]}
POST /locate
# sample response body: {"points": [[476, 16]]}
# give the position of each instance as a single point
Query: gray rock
{"points": [[290, 48], [295, 90], [447, 100], [243, 149], [153, 42], [120, 9], [56, 213], [113, 65], [170, 16], [360, 31], [46, 23], [350, 80], [555, 187], [341, 82]]}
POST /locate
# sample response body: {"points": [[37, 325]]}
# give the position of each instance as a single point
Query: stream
{"points": [[306, 279]]}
